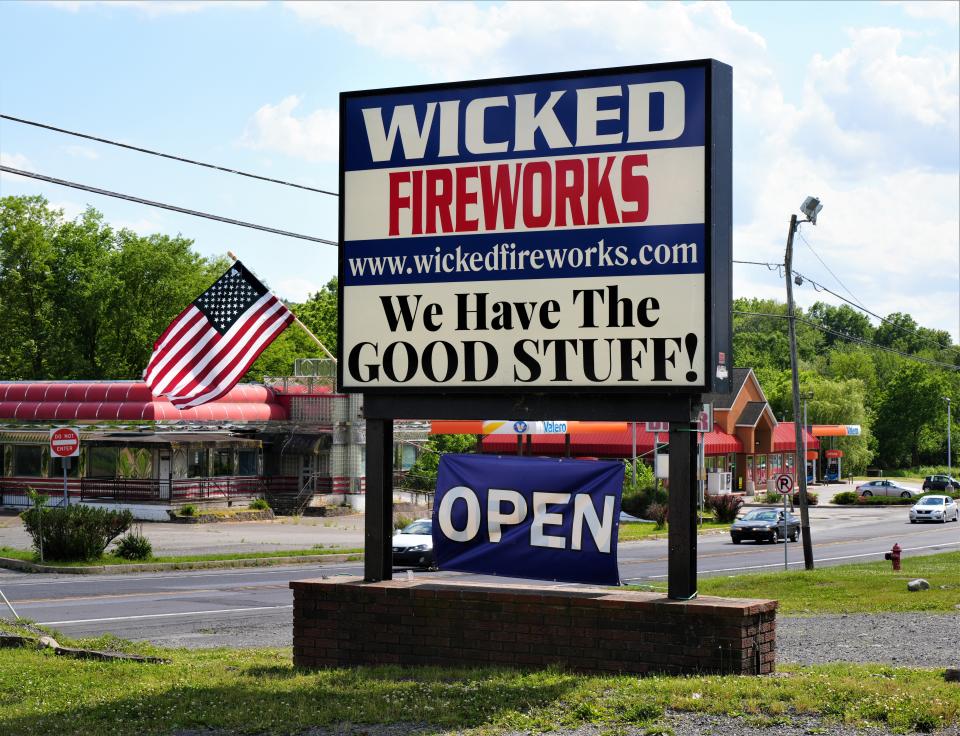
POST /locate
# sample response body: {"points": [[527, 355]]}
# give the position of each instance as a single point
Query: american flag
{"points": [[214, 341]]}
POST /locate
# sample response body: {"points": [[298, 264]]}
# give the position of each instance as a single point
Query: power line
{"points": [[852, 338], [770, 266], [161, 205], [901, 328], [820, 287], [824, 264], [166, 155]]}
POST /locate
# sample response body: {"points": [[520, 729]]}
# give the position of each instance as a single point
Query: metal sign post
{"points": [[64, 444], [784, 486]]}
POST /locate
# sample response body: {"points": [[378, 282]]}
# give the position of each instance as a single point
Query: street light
{"points": [[810, 208], [949, 456]]}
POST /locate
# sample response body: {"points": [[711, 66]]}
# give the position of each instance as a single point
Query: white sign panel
{"points": [[531, 233]]}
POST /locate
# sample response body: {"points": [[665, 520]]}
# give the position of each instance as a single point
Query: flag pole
{"points": [[296, 321]]}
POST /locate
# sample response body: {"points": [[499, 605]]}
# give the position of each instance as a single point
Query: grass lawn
{"points": [[259, 691], [868, 587], [633, 532], [110, 559]]}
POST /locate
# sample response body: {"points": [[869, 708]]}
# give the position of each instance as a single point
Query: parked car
{"points": [[935, 508], [885, 488], [940, 483], [413, 545], [764, 525]]}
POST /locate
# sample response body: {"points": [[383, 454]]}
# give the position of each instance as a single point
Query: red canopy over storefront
{"points": [[607, 442], [128, 401]]}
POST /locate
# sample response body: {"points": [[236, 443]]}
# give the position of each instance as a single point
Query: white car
{"points": [[413, 545], [935, 508]]}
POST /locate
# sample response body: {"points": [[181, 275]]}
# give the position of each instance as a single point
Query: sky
{"points": [[855, 103]]}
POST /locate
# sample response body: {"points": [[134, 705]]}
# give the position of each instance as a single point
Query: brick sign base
{"points": [[347, 622]]}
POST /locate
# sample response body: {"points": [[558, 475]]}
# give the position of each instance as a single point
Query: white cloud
{"points": [[14, 161], [313, 137], [946, 11], [876, 135], [872, 105], [143, 226], [458, 39], [71, 210], [82, 152], [297, 289]]}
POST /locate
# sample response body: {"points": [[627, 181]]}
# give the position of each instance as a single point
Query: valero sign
{"points": [[540, 518], [559, 233]]}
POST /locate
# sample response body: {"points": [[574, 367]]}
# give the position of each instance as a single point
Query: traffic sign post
{"points": [[784, 486], [65, 444]]}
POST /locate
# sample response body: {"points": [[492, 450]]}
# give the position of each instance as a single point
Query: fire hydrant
{"points": [[894, 555]]}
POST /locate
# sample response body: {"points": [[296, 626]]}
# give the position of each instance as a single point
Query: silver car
{"points": [[886, 488], [935, 508]]}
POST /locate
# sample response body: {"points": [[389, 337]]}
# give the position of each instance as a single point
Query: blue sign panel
{"points": [[539, 518]]}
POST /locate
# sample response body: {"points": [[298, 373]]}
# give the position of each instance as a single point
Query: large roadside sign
{"points": [[565, 233]]}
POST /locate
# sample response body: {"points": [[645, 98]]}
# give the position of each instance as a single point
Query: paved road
{"points": [[251, 607]]}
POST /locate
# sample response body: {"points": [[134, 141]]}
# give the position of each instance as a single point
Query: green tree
{"points": [[319, 313], [910, 407], [842, 401], [27, 227], [423, 473], [81, 300], [843, 319]]}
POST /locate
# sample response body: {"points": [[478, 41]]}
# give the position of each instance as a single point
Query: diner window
{"points": [[761, 468], [3, 461], [28, 460], [408, 456], [789, 462], [135, 462], [247, 462], [102, 462], [56, 467], [196, 463], [223, 462]]}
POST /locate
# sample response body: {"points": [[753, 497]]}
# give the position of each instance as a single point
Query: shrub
{"points": [[658, 512], [400, 521], [259, 504], [844, 498], [637, 499], [74, 533], [188, 509], [724, 507], [885, 501], [812, 498], [134, 546], [773, 497]]}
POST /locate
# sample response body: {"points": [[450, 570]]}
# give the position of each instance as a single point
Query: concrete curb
{"points": [[23, 566]]}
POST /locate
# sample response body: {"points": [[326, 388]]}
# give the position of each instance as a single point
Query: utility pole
{"points": [[949, 456], [798, 443]]}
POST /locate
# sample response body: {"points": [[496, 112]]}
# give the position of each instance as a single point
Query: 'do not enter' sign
{"points": [[64, 442]]}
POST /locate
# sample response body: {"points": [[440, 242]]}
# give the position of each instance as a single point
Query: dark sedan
{"points": [[765, 525]]}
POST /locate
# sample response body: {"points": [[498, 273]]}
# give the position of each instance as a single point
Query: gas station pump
{"points": [[812, 456], [834, 470]]}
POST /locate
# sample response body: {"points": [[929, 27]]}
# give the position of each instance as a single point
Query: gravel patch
{"points": [[671, 724], [904, 639]]}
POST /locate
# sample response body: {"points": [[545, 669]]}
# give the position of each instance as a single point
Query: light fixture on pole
{"points": [[810, 208], [949, 456]]}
